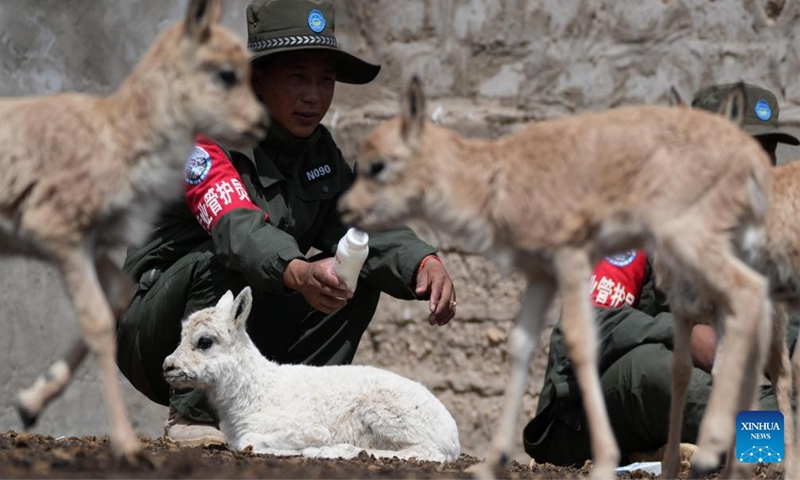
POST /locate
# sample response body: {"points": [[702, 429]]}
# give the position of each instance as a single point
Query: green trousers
{"points": [[637, 391], [285, 328]]}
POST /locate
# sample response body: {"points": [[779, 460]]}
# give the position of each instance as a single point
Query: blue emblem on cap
{"points": [[762, 110], [316, 21]]}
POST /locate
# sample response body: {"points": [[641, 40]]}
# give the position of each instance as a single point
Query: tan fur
{"points": [[81, 175], [781, 263], [768, 259], [783, 251], [558, 196]]}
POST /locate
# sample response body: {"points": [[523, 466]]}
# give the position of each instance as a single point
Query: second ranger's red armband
{"points": [[213, 186], [617, 280]]}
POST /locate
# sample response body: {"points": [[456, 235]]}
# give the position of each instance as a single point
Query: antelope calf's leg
{"points": [[31, 401], [523, 343], [734, 387], [779, 367], [681, 374], [117, 285], [573, 270], [97, 326]]}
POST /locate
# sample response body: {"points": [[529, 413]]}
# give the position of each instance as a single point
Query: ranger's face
{"points": [[298, 88]]}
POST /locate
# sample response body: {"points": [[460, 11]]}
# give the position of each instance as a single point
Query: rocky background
{"points": [[488, 67]]}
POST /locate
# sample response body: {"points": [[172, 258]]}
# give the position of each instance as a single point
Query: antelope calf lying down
{"points": [[555, 198], [323, 412], [80, 175]]}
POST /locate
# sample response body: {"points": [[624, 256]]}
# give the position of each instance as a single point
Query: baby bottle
{"points": [[350, 256]]}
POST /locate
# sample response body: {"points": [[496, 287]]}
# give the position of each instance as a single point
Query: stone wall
{"points": [[488, 67]]}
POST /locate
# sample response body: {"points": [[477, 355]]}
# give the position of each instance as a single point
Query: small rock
{"points": [[63, 456], [495, 336]]}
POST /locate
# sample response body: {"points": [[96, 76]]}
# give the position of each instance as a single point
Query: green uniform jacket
{"points": [[297, 182], [620, 330]]}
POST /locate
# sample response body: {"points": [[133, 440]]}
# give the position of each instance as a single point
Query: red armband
{"points": [[213, 186], [617, 280]]}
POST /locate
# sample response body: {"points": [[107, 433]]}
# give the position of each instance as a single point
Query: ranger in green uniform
{"points": [[635, 342], [249, 218]]}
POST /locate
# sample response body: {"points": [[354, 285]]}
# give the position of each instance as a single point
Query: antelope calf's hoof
{"points": [[703, 463], [28, 418]]}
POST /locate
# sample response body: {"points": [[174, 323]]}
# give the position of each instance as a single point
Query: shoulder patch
{"points": [[210, 192], [197, 166], [622, 259]]}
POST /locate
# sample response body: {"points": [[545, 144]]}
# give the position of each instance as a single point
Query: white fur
{"points": [[323, 412]]}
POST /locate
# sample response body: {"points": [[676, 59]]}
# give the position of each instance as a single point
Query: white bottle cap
{"points": [[357, 239]]}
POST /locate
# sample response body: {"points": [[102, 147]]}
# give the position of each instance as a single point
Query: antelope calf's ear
{"points": [[201, 15], [413, 108], [226, 301], [732, 107], [675, 98], [240, 309]]}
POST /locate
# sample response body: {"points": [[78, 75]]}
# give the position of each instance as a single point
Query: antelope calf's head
{"points": [[392, 177], [210, 339], [207, 71]]}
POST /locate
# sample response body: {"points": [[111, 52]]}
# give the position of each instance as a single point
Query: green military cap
{"points": [[761, 112], [275, 26]]}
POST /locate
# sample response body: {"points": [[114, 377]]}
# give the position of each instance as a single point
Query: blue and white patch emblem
{"points": [[316, 21], [763, 111], [622, 259], [197, 166]]}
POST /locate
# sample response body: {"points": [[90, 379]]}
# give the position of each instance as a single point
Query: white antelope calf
{"points": [[322, 412], [81, 175], [558, 196]]}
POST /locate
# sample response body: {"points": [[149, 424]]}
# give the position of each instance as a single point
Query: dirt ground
{"points": [[24, 455]]}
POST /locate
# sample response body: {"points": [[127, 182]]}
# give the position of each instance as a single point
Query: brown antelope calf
{"points": [[558, 196], [81, 175], [780, 262]]}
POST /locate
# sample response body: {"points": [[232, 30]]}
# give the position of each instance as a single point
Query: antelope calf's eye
{"points": [[205, 343], [228, 78], [376, 168]]}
